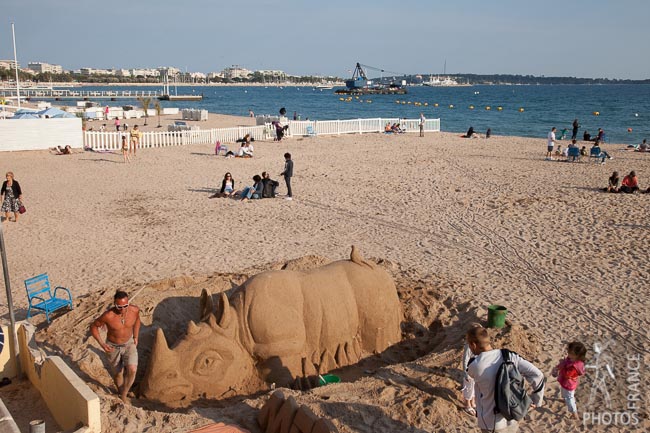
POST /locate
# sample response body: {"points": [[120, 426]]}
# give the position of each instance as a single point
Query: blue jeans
{"points": [[603, 155], [569, 399], [249, 192]]}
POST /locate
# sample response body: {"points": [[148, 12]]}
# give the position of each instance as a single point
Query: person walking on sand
{"points": [[117, 124], [484, 368], [574, 133], [11, 196], [568, 371], [550, 144], [422, 121], [122, 323], [288, 174], [135, 139]]}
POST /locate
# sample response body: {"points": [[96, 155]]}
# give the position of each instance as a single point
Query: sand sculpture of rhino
{"points": [[275, 327]]}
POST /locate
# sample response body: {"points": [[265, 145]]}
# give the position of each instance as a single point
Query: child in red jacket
{"points": [[568, 371]]}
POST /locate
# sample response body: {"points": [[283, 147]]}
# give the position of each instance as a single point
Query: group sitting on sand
{"points": [[395, 128], [629, 185], [263, 187], [245, 150]]}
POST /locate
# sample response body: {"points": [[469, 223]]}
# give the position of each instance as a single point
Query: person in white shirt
{"points": [[483, 369], [550, 144]]}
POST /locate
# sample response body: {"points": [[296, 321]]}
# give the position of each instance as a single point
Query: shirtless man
{"points": [[122, 324]]}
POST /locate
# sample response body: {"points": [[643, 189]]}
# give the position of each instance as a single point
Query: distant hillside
{"points": [[526, 79]]}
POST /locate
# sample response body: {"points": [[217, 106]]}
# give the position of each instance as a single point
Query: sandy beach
{"points": [[459, 223]]}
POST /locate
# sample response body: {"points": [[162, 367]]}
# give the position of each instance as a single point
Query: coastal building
{"points": [[91, 71], [42, 67], [236, 71], [8, 64], [144, 72], [122, 72], [168, 71]]}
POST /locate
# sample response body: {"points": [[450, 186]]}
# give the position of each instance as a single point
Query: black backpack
{"points": [[510, 397]]}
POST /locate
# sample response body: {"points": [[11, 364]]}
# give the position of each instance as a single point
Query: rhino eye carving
{"points": [[206, 362]]}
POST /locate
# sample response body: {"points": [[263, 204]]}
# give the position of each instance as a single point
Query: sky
{"points": [[576, 38]]}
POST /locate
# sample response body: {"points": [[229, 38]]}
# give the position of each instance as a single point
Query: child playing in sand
{"points": [[568, 371]]}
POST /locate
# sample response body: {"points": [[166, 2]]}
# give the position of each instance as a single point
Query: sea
{"points": [[623, 110]]}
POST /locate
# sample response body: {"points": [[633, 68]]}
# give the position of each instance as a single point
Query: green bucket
{"points": [[326, 379], [497, 316]]}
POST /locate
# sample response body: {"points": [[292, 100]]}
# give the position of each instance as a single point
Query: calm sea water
{"points": [[619, 106]]}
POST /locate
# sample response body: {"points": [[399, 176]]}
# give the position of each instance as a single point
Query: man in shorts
{"points": [[550, 144], [122, 323]]}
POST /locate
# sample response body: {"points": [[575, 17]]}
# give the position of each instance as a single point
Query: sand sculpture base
{"points": [[283, 414]]}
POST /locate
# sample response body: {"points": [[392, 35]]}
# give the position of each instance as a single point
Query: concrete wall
{"points": [[70, 401], [7, 355], [33, 134], [7, 423]]}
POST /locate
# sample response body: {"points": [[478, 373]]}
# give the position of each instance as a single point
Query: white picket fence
{"points": [[112, 140]]}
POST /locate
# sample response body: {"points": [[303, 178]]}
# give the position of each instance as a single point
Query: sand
{"points": [[459, 223]]}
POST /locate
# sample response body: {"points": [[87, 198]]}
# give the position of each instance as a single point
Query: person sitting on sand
{"points": [[488, 133], [245, 151], [595, 150], [270, 185], [67, 150], [583, 151], [470, 133], [227, 187], [586, 136], [643, 147], [613, 183], [388, 129], [559, 152], [630, 183], [255, 191], [246, 139]]}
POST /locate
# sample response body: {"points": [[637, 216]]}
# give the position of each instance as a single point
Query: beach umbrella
{"points": [[24, 115], [53, 112]]}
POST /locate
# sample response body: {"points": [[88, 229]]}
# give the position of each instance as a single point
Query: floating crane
{"points": [[360, 84]]}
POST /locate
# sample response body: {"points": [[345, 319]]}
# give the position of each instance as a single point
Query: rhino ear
{"points": [[224, 309], [206, 307]]}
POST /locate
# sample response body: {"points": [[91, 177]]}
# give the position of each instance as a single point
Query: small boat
{"points": [[324, 87]]}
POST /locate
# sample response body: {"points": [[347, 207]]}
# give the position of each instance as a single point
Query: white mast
{"points": [[13, 34]]}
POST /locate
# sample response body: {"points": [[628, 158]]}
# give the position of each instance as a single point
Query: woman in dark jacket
{"points": [[11, 195], [227, 187]]}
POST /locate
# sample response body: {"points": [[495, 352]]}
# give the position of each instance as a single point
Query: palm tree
{"points": [[158, 108], [145, 101]]}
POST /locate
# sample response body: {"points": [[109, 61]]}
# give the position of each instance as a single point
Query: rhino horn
{"points": [[206, 306], [160, 349], [192, 328], [225, 311]]}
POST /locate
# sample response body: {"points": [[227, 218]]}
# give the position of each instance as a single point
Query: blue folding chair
{"points": [[41, 298]]}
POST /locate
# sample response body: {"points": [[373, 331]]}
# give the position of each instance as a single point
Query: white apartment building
{"points": [[41, 67], [8, 64], [236, 71]]}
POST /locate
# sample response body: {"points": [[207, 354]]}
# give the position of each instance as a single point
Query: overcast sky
{"points": [[579, 38]]}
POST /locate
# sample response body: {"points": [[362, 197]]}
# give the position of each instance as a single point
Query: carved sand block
{"points": [[277, 326]]}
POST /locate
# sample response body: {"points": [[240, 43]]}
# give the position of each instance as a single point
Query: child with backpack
{"points": [[568, 371]]}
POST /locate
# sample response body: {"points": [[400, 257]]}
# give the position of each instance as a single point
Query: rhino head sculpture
{"points": [[277, 326]]}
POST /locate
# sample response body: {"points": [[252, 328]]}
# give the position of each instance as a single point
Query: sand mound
{"points": [[413, 385]]}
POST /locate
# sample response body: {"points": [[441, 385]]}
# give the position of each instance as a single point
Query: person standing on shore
{"points": [[422, 121], [576, 125], [122, 323], [288, 174], [135, 139], [550, 144], [117, 124]]}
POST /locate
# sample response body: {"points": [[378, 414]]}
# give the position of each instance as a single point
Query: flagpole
{"points": [[13, 34]]}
